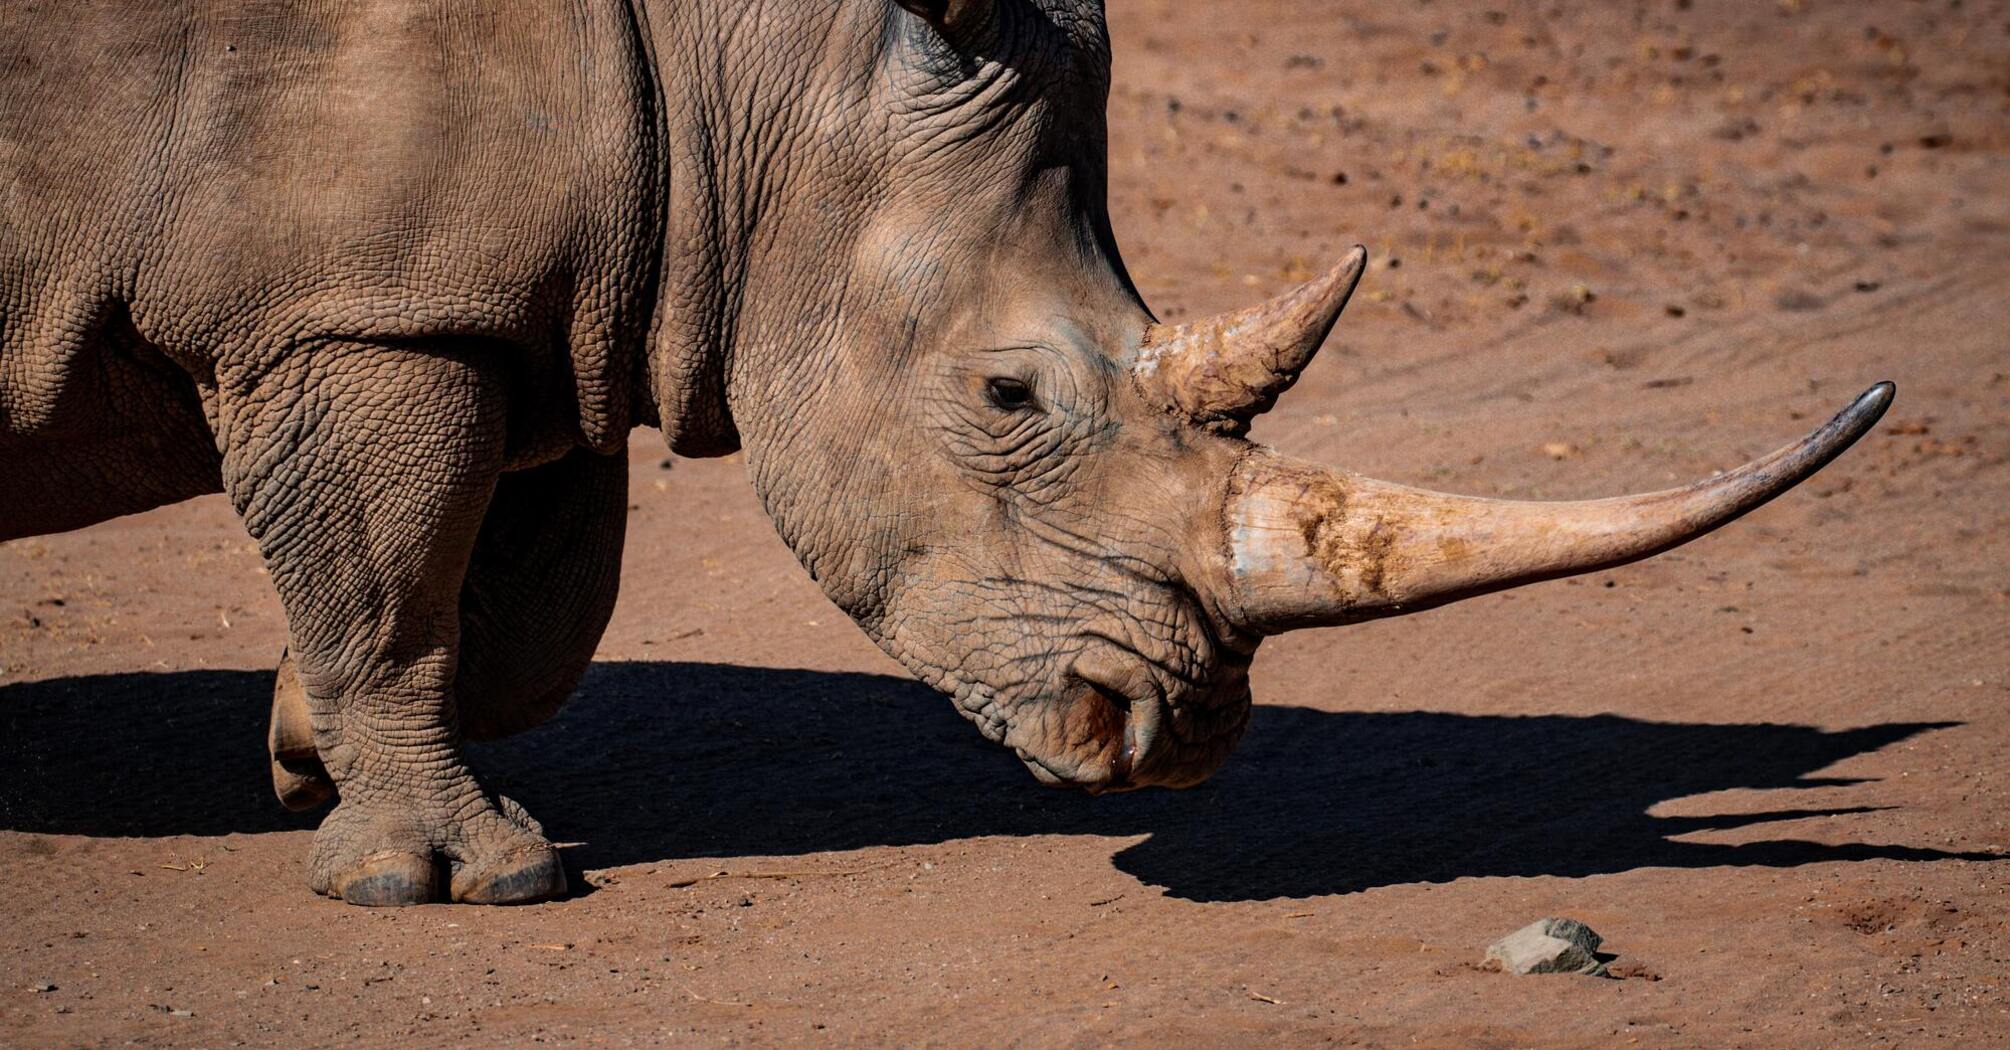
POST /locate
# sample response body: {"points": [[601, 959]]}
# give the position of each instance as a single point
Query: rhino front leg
{"points": [[539, 590], [364, 473]]}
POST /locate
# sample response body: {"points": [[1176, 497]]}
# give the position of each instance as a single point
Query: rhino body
{"points": [[400, 278]]}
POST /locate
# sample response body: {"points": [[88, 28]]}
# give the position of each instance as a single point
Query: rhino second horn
{"points": [[1311, 546], [1223, 371]]}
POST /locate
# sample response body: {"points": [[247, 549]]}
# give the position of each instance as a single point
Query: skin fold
{"points": [[400, 278]]}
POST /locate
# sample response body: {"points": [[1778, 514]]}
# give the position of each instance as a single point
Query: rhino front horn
{"points": [[1310, 546], [1223, 371]]}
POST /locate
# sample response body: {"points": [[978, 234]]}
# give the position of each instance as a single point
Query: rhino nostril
{"points": [[1112, 717], [1105, 709]]}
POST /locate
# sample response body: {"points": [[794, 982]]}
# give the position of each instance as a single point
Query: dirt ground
{"points": [[1617, 245]]}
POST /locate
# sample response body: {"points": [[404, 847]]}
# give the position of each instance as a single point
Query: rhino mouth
{"points": [[1112, 728]]}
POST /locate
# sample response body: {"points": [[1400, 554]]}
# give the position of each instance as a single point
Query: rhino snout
{"points": [[1112, 726]]}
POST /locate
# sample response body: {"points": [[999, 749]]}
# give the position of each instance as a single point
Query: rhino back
{"points": [[231, 182]]}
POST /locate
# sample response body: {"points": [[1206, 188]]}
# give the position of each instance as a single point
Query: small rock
{"points": [[40, 987], [1548, 946], [1798, 300], [1632, 971]]}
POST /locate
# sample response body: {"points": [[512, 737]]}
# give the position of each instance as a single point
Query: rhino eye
{"points": [[1008, 394]]}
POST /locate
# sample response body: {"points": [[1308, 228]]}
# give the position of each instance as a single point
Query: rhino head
{"points": [[969, 427]]}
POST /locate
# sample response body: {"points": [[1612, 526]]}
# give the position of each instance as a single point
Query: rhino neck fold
{"points": [[683, 368], [729, 86]]}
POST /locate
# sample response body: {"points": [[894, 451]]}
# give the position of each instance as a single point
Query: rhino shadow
{"points": [[659, 761]]}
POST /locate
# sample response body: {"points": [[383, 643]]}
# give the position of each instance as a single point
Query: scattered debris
{"points": [[1576, 299], [1559, 450], [1548, 946], [1262, 998]]}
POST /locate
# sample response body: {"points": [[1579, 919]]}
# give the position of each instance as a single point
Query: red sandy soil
{"points": [[1617, 246]]}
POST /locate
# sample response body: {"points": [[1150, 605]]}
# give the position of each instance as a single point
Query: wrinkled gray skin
{"points": [[401, 280]]}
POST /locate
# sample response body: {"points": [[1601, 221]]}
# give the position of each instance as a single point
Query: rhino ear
{"points": [[956, 19]]}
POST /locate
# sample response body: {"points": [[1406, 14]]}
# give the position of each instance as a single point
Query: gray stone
{"points": [[1548, 946]]}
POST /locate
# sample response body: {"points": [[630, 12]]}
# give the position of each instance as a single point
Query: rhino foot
{"points": [[390, 855], [298, 777], [394, 878], [300, 784]]}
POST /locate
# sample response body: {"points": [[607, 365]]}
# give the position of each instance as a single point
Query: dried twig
{"points": [[681, 883]]}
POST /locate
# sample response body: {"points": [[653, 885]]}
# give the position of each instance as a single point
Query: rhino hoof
{"points": [[518, 878], [390, 879], [301, 784]]}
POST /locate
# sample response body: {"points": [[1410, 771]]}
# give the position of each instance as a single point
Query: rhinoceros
{"points": [[400, 279]]}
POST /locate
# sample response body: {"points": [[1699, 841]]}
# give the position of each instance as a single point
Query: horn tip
{"points": [[1853, 422], [1869, 406], [1344, 275]]}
